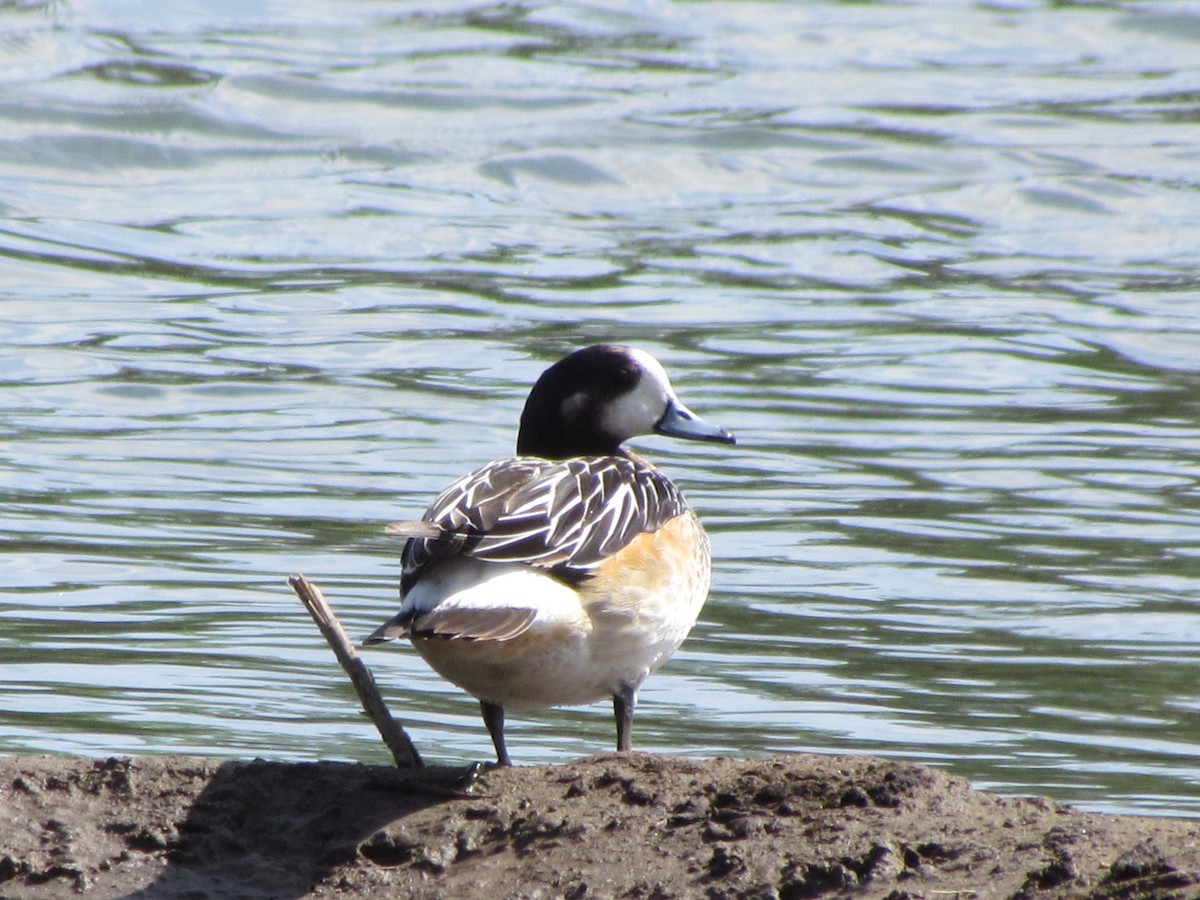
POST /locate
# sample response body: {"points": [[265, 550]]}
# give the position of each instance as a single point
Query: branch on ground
{"points": [[390, 730]]}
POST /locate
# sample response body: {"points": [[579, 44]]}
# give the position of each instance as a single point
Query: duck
{"points": [[571, 571]]}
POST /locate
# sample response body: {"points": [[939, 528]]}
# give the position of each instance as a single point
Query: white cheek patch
{"points": [[641, 409], [652, 370]]}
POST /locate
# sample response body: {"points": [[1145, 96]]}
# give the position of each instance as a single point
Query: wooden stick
{"points": [[390, 730]]}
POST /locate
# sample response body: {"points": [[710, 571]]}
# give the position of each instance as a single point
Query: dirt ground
{"points": [[630, 825]]}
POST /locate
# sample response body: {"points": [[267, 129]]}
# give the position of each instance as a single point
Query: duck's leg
{"points": [[624, 700], [493, 718]]}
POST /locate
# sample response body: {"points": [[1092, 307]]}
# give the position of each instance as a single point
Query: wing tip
{"points": [[396, 627], [416, 528]]}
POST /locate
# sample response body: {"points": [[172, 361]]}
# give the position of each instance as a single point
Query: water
{"points": [[272, 274]]}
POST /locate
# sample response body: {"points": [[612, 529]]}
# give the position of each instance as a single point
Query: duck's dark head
{"points": [[588, 403]]}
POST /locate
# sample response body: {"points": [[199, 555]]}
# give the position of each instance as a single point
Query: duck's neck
{"points": [[562, 443]]}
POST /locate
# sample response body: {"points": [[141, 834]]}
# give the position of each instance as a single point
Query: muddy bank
{"points": [[611, 826]]}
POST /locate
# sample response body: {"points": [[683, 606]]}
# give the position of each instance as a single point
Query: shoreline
{"points": [[618, 825]]}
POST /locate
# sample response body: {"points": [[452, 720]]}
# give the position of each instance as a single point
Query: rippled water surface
{"points": [[272, 274]]}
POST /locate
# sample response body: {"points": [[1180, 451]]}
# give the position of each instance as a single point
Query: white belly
{"points": [[582, 646]]}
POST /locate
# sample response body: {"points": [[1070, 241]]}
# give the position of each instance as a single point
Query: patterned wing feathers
{"points": [[467, 624], [542, 513], [473, 624]]}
